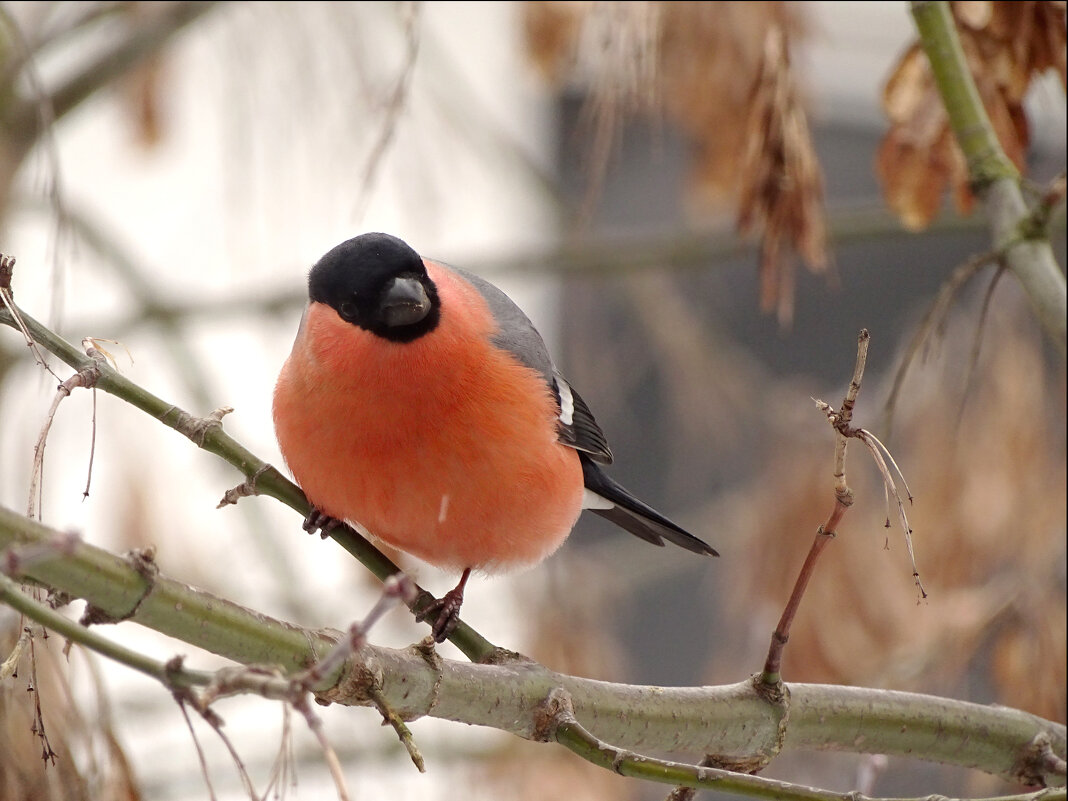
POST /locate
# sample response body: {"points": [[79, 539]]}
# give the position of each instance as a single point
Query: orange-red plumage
{"points": [[445, 447]]}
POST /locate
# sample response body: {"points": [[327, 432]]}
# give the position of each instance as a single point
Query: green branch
{"points": [[511, 695], [12, 596], [571, 734], [118, 589], [991, 173]]}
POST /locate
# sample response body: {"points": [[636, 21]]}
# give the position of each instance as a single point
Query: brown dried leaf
{"points": [[706, 66], [1007, 45], [973, 13], [782, 185], [906, 89], [711, 56], [551, 31], [913, 177]]}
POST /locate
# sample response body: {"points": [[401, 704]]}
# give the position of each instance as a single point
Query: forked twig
{"points": [[841, 420]]}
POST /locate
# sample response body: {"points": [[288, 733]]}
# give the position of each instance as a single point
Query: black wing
{"points": [[638, 518]]}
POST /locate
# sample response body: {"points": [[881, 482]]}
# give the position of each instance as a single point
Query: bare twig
{"points": [[9, 667], [298, 690], [213, 719], [200, 750], [934, 323], [843, 499], [85, 377], [841, 420], [315, 724], [977, 340], [38, 725], [246, 489]]}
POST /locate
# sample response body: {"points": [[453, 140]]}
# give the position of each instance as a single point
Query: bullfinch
{"points": [[420, 404]]}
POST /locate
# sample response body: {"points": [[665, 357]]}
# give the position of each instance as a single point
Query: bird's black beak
{"points": [[405, 302]]}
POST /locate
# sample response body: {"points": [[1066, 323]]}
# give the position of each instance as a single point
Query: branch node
{"points": [[246, 489], [94, 615], [555, 710], [197, 428], [7, 272], [143, 560], [1038, 762]]}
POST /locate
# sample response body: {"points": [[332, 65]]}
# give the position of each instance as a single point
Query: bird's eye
{"points": [[347, 309]]}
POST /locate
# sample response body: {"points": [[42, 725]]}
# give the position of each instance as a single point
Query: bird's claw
{"points": [[443, 615], [317, 521]]}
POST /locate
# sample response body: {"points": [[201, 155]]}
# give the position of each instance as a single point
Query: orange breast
{"points": [[444, 447]]}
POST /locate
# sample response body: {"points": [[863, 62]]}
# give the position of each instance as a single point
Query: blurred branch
{"points": [[512, 694], [934, 324], [140, 42], [993, 176], [605, 254], [207, 433]]}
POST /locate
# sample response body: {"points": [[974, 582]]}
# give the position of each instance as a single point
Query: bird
{"points": [[420, 404]]}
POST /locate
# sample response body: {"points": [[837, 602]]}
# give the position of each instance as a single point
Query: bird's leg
{"points": [[317, 521], [444, 614]]}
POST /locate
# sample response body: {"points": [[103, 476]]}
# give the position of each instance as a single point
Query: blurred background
{"points": [[699, 205]]}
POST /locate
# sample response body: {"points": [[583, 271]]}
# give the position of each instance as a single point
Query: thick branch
{"points": [[993, 176], [730, 720]]}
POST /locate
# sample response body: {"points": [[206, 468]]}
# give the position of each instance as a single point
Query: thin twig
{"points": [[315, 725], [934, 320], [843, 499], [85, 377], [410, 15], [977, 341], [9, 667], [200, 750]]}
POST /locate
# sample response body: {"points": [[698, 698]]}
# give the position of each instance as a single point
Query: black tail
{"points": [[636, 517]]}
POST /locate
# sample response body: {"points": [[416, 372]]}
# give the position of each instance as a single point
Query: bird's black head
{"points": [[377, 282]]}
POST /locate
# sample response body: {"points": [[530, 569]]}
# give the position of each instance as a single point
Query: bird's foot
{"points": [[443, 614], [317, 521]]}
